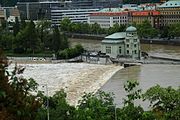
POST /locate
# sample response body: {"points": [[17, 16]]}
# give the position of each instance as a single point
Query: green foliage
{"points": [[95, 28], [70, 52], [116, 28], [6, 41], [65, 24], [133, 92], [174, 30], [59, 40], [59, 108], [27, 39], [31, 39], [56, 41], [16, 27], [97, 106], [165, 102], [130, 111], [16, 100], [146, 30], [43, 31]]}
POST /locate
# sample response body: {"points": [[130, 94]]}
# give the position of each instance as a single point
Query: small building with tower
{"points": [[122, 44]]}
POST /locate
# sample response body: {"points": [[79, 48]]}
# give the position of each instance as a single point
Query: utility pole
{"points": [[47, 100]]}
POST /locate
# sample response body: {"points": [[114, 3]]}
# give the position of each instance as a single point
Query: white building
{"points": [[122, 44], [75, 15], [108, 19]]}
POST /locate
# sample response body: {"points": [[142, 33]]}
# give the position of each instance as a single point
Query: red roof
{"points": [[108, 13], [145, 13]]}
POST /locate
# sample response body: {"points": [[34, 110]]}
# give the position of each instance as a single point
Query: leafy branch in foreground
{"points": [[19, 98], [165, 102]]}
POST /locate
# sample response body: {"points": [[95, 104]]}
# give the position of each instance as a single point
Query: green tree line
{"points": [[85, 28], [28, 38], [21, 100], [145, 30]]}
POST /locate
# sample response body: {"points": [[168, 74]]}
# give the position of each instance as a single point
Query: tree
{"points": [[130, 111], [59, 108], [16, 26], [116, 28], [56, 40], [146, 30], [174, 30], [95, 28], [164, 31], [6, 41], [27, 38], [16, 99], [165, 102], [65, 25], [97, 106], [43, 31]]}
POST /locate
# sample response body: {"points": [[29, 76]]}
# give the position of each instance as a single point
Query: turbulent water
{"points": [[147, 75]]}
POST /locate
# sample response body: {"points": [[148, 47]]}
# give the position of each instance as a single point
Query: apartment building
{"points": [[152, 16], [170, 12], [75, 15], [108, 19]]}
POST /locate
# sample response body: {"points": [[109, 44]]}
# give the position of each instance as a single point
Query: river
{"points": [[147, 75]]}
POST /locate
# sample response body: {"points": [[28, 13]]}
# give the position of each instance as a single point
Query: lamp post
{"points": [[115, 115], [47, 100]]}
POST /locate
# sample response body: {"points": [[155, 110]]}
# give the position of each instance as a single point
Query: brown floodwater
{"points": [[147, 75]]}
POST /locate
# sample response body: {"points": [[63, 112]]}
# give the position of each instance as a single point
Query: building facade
{"points": [[108, 19], [9, 14], [2, 16], [39, 10], [139, 17], [170, 12], [122, 44], [75, 15], [142, 1]]}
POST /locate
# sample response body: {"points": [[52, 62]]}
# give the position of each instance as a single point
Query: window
{"points": [[119, 49], [108, 49], [127, 51], [135, 45], [135, 52], [127, 45], [127, 40], [135, 40]]}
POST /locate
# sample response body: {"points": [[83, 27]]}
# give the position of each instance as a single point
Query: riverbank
{"points": [[74, 78], [163, 41]]}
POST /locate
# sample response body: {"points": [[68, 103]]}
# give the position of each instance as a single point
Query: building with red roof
{"points": [[152, 16], [108, 19]]}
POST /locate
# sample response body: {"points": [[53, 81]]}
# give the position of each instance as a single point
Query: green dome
{"points": [[131, 29]]}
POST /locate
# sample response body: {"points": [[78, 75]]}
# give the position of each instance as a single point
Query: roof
{"points": [[115, 38], [145, 13], [131, 29], [111, 10], [108, 13], [170, 3]]}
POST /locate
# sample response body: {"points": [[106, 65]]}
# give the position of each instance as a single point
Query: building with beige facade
{"points": [[152, 16], [108, 19], [170, 12]]}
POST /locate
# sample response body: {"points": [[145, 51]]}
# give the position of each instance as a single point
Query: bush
{"points": [[19, 50], [70, 52]]}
